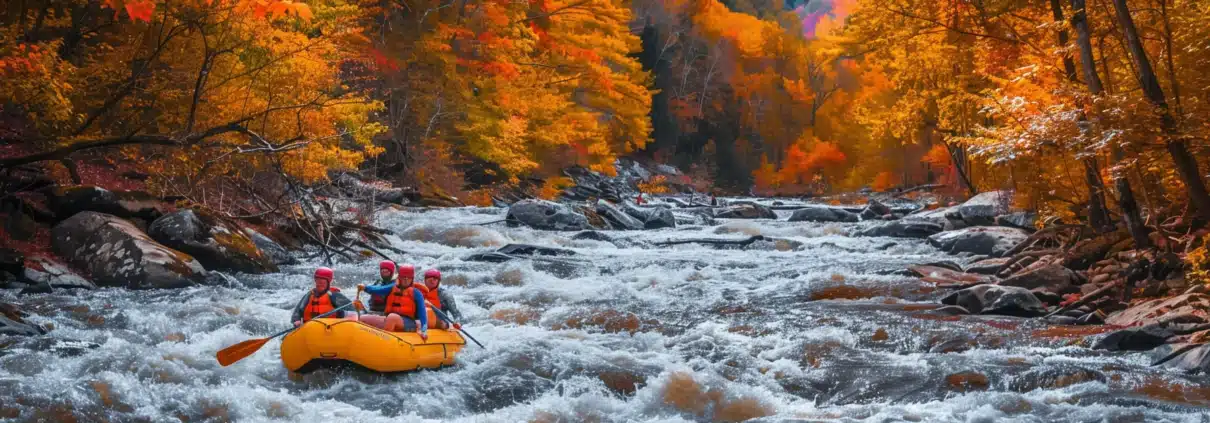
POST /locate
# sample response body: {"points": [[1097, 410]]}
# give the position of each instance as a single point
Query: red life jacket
{"points": [[400, 302], [319, 305]]}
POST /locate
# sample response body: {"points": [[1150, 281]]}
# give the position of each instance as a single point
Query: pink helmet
{"points": [[387, 264], [325, 273], [432, 273], [407, 271]]}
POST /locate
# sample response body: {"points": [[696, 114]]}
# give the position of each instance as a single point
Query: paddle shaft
{"points": [[442, 316], [230, 355]]}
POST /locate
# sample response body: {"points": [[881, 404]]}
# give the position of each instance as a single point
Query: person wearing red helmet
{"points": [[322, 299], [404, 309], [386, 273], [441, 299]]}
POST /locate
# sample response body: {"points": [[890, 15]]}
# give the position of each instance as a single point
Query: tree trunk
{"points": [[1130, 208], [1098, 213], [1186, 164]]}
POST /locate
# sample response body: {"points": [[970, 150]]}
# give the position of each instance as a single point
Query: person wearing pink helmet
{"points": [[440, 299], [387, 277], [322, 299]]}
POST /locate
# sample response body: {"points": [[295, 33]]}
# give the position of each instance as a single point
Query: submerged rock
{"points": [[276, 253], [903, 229], [995, 299], [823, 214], [546, 215], [530, 250], [215, 242], [116, 253], [984, 240], [12, 322]]}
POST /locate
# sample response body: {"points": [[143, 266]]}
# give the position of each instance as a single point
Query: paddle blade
{"points": [[239, 351]]}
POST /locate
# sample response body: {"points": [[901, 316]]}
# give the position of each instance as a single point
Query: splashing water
{"points": [[622, 331]]}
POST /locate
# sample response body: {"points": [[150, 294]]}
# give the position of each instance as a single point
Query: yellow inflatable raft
{"points": [[326, 342]]}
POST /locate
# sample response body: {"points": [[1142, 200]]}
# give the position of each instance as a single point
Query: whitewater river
{"points": [[821, 328]]}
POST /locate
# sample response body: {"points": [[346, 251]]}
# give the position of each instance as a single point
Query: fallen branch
{"points": [[1092, 296]]}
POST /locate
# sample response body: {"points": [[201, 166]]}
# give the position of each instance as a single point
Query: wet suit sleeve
{"points": [[298, 308], [422, 314], [339, 300], [379, 289], [448, 305]]}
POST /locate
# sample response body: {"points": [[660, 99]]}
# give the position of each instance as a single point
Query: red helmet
{"points": [[432, 273], [387, 264], [407, 271], [325, 273]]}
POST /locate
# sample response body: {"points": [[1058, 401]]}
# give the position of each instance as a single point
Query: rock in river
{"points": [[116, 253], [11, 322], [1052, 278], [903, 229], [546, 215], [745, 210], [995, 299], [617, 218], [984, 240], [215, 242], [823, 214]]}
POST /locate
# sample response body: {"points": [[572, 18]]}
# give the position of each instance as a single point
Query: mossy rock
{"points": [[218, 243]]}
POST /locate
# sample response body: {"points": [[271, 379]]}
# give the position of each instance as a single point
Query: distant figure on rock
{"points": [[404, 309], [639, 200], [713, 199], [322, 299], [440, 299]]}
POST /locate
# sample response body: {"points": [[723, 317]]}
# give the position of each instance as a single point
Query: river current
{"points": [[816, 326]]}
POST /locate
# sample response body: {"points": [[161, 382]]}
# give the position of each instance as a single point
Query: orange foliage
{"points": [[885, 181]]}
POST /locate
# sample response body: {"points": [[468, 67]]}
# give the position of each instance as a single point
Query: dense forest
{"points": [[1090, 109]]}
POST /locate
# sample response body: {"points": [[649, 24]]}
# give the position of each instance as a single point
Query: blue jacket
{"points": [[422, 315]]}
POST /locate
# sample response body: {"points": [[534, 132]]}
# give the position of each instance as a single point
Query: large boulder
{"points": [[12, 322], [659, 218], [947, 217], [1195, 359], [823, 214], [55, 275], [116, 253], [68, 201], [546, 215], [277, 254], [1052, 278], [1162, 309], [617, 218], [215, 242], [1146, 337], [996, 299], [984, 240], [982, 209], [745, 210], [903, 229]]}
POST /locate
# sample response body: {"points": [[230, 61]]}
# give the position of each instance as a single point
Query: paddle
{"points": [[447, 320], [242, 350]]}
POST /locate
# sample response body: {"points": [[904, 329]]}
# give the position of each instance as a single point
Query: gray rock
{"points": [[617, 218], [823, 214], [530, 250], [903, 229], [546, 215], [116, 253], [1135, 339], [947, 217], [659, 218], [1021, 220], [68, 201], [982, 209], [278, 254], [490, 257], [745, 210], [986, 240], [592, 235], [215, 242], [1053, 278], [56, 275], [1193, 360], [995, 299], [12, 322], [989, 266]]}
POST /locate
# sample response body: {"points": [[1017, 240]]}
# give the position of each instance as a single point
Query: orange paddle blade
{"points": [[239, 351]]}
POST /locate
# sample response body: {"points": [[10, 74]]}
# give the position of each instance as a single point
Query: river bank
{"points": [[816, 324]]}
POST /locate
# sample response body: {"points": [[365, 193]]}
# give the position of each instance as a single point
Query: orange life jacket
{"points": [[318, 305], [431, 296], [400, 302]]}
